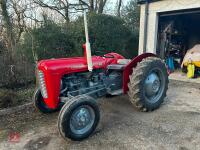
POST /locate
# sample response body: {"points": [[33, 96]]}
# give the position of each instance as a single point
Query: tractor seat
{"points": [[123, 61], [121, 64], [116, 67]]}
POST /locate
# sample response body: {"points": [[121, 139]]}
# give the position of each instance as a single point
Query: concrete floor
{"points": [[174, 126], [178, 75]]}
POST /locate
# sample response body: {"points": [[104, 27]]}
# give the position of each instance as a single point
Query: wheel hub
{"points": [[82, 120], [152, 85]]}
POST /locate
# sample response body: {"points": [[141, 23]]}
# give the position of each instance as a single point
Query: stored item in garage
{"points": [[192, 56], [191, 70]]}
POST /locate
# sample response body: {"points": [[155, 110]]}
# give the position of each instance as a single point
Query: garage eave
{"points": [[144, 1]]}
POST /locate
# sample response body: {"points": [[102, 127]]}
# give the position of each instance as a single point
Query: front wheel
{"points": [[78, 118], [148, 84]]}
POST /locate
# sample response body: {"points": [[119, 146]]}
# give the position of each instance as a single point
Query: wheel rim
{"points": [[82, 119], [154, 85]]}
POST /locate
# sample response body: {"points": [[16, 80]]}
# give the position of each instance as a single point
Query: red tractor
{"points": [[74, 84]]}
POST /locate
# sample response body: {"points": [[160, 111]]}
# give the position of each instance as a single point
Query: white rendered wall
{"points": [[154, 9]]}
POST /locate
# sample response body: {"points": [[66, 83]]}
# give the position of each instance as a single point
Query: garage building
{"points": [[169, 27]]}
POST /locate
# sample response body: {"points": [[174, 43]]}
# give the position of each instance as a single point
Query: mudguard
{"points": [[128, 70]]}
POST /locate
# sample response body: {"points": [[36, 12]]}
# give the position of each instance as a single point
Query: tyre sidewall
{"points": [[157, 64], [40, 104], [65, 121]]}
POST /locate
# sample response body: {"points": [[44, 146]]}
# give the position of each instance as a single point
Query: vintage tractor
{"points": [[74, 84]]}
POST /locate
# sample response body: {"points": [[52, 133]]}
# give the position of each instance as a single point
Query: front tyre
{"points": [[40, 104], [148, 84], [78, 118]]}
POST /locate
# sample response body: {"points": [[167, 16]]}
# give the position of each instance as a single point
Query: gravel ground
{"points": [[176, 125]]}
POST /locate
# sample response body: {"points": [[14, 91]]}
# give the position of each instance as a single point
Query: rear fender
{"points": [[128, 70]]}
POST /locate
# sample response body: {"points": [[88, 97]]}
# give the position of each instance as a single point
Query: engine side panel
{"points": [[96, 84], [83, 83]]}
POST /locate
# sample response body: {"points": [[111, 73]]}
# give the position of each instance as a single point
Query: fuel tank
{"points": [[75, 64]]}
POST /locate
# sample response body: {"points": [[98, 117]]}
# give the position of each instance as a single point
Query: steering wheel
{"points": [[108, 55]]}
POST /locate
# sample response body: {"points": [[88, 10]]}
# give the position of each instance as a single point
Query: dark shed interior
{"points": [[178, 32]]}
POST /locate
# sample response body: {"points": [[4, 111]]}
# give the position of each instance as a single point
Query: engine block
{"points": [[95, 84]]}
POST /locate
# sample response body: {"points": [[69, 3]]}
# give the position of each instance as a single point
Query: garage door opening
{"points": [[177, 33]]}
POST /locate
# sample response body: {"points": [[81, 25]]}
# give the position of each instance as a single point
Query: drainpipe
{"points": [[146, 20]]}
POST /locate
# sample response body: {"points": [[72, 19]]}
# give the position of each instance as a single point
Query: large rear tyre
{"points": [[78, 118], [148, 84], [40, 104]]}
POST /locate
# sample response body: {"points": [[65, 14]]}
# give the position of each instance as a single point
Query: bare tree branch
{"points": [[19, 11], [101, 4], [95, 5], [61, 7]]}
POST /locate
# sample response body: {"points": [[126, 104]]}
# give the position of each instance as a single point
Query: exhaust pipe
{"points": [[88, 47]]}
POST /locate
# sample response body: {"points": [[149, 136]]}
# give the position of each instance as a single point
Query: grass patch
{"points": [[15, 97]]}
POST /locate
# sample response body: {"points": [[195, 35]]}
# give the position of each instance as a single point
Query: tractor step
{"points": [[116, 92], [64, 99]]}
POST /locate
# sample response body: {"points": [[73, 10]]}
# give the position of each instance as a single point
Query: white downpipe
{"points": [[88, 48]]}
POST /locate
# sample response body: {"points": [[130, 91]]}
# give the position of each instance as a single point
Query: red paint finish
{"points": [[84, 51], [54, 69], [129, 69]]}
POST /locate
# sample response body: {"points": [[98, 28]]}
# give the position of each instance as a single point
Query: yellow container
{"points": [[190, 69], [196, 63]]}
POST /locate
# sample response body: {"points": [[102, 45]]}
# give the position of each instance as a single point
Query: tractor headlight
{"points": [[42, 84]]}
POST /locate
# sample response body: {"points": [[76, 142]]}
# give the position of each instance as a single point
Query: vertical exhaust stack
{"points": [[88, 48]]}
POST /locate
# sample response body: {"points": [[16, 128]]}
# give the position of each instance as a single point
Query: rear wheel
{"points": [[78, 118], [40, 104], [148, 84]]}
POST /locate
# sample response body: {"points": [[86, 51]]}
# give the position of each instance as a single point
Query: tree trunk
{"points": [[67, 14], [91, 5], [119, 8], [101, 6], [9, 28]]}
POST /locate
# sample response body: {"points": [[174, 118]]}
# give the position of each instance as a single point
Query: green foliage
{"points": [[107, 34], [52, 40], [49, 41], [131, 15], [14, 97]]}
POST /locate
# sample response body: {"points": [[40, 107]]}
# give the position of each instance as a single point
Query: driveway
{"points": [[176, 125]]}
